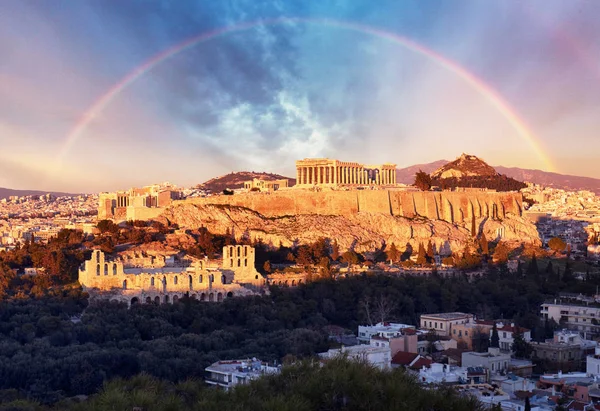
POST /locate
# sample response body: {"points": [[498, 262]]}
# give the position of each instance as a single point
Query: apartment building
{"points": [[577, 317], [442, 323]]}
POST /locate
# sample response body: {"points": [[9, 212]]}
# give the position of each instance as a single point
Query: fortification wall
{"points": [[454, 207]]}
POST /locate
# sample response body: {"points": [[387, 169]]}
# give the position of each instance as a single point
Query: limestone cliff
{"points": [[365, 231]]}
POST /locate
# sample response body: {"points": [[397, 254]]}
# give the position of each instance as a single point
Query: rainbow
{"points": [[486, 91]]}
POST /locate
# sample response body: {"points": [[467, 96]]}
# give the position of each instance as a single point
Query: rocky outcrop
{"points": [[464, 166], [364, 231]]}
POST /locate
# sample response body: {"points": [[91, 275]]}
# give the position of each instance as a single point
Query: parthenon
{"points": [[325, 171]]}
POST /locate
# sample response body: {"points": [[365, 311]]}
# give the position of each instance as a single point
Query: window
{"points": [[454, 331], [175, 280], [504, 334], [152, 282], [435, 325], [200, 278], [466, 333]]}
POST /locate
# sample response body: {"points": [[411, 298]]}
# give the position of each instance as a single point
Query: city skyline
{"points": [[102, 95]]}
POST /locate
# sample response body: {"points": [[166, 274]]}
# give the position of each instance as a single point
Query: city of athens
{"points": [[296, 206]]}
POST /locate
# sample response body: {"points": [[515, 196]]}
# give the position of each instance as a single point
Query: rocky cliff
{"points": [[364, 231]]}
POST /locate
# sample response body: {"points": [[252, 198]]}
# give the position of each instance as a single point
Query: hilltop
{"points": [[406, 175], [469, 171], [236, 180], [464, 166]]}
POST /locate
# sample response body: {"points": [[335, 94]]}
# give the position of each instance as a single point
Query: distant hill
{"points": [[7, 192], [464, 166], [236, 180], [469, 171], [566, 182]]}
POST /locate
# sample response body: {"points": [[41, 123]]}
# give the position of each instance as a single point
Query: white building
{"points": [[380, 357], [493, 360], [506, 336], [227, 374], [442, 323], [582, 318], [387, 330], [443, 373], [593, 363]]}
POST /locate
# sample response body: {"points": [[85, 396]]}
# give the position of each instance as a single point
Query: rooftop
{"points": [[447, 316]]}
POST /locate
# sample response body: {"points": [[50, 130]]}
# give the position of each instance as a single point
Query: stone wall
{"points": [[453, 207]]}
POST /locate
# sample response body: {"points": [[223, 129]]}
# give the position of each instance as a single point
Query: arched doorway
{"points": [[148, 300], [229, 294], [220, 297], [175, 299], [202, 297], [134, 300], [166, 299], [157, 300], [211, 297], [124, 284], [194, 296]]}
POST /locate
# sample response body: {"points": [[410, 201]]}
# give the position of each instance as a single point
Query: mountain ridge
{"points": [[8, 192]]}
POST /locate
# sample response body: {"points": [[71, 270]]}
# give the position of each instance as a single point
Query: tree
{"points": [[350, 257], [520, 347], [430, 253], [421, 256], [392, 253], [423, 181], [532, 269], [484, 245], [557, 244], [495, 339], [267, 266], [549, 268], [335, 251], [501, 253]]}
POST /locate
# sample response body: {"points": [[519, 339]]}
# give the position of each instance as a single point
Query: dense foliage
{"points": [[498, 183], [338, 385], [58, 346]]}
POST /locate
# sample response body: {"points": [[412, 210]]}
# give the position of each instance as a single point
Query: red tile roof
{"points": [[404, 358], [417, 365]]}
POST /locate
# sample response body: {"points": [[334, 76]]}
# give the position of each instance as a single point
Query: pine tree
{"points": [[392, 253], [495, 339], [483, 243], [430, 254], [421, 256], [533, 267]]}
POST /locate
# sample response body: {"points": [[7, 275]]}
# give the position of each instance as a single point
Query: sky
{"points": [[99, 95]]}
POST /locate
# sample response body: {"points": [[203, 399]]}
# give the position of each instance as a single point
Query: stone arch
{"points": [[293, 283], [135, 301], [105, 268], [229, 294], [166, 299], [175, 299], [98, 255], [124, 284], [191, 280], [203, 297], [211, 297], [220, 297], [299, 281], [152, 282], [194, 296], [114, 268], [157, 300], [97, 269], [148, 300]]}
